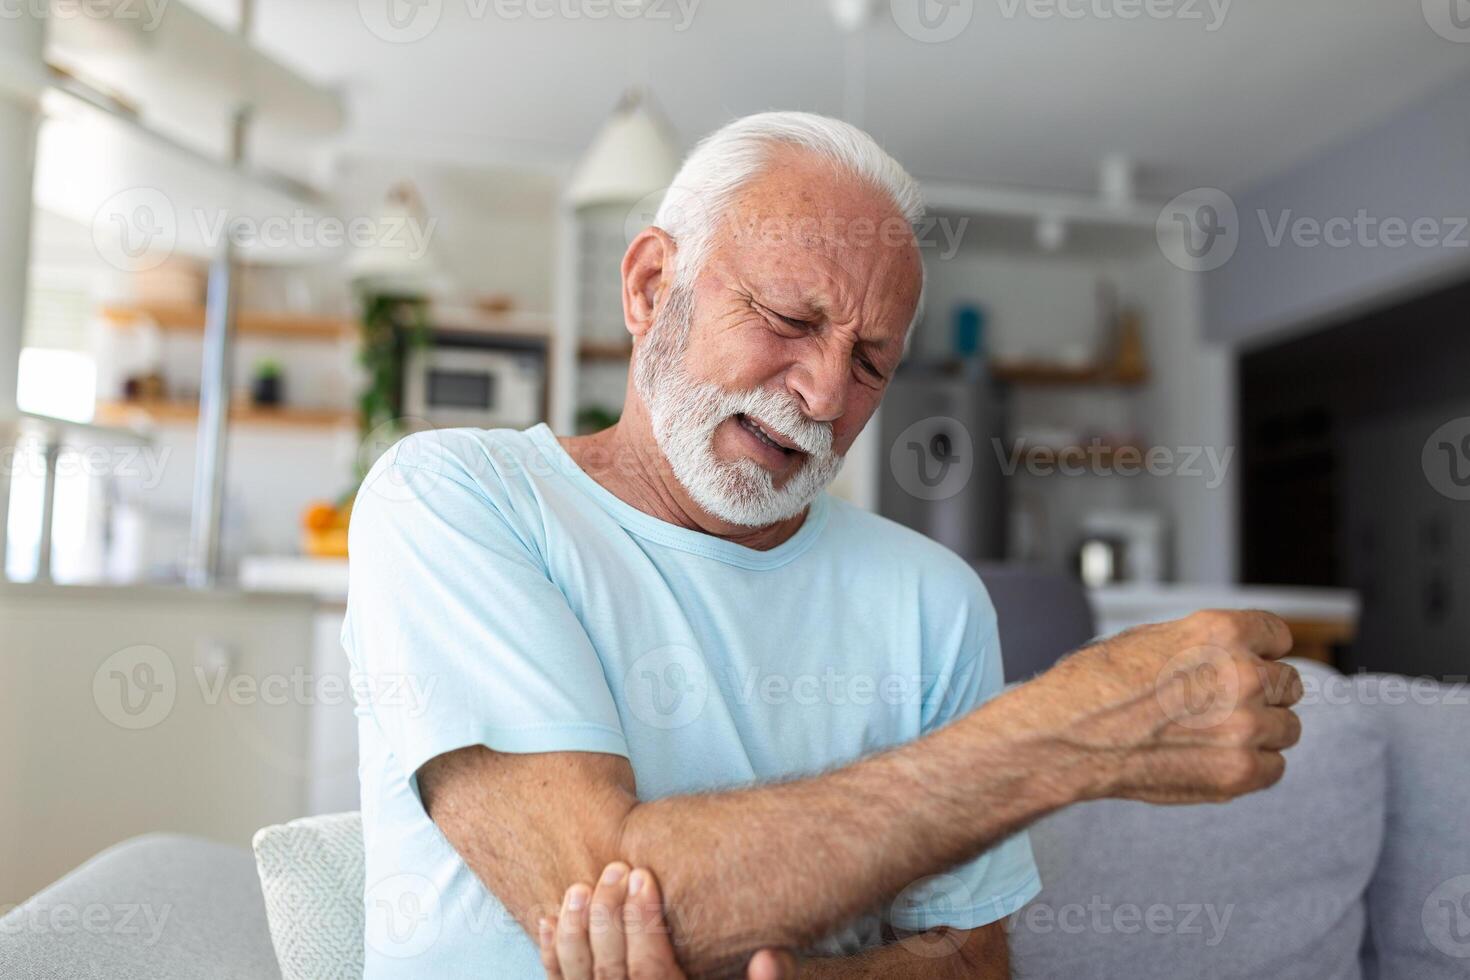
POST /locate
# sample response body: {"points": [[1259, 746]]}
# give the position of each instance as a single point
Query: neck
{"points": [[626, 460]]}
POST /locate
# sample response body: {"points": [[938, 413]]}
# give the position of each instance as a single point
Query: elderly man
{"points": [[690, 716]]}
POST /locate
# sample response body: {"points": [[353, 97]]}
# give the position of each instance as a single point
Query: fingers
{"points": [[546, 935], [650, 951], [1279, 729], [609, 952], [573, 949], [1262, 633], [772, 964], [1280, 683]]}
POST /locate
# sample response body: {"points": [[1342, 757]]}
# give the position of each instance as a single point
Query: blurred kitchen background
{"points": [[1176, 342]]}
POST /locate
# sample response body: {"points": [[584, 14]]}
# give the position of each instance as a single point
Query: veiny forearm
{"points": [[782, 865]]}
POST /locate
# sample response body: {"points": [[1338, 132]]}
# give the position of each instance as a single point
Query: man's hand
{"points": [[1191, 711], [616, 931]]}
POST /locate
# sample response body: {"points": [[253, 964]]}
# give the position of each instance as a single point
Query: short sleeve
{"points": [[457, 636], [969, 672]]}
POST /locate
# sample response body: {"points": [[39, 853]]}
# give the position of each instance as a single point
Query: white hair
{"points": [[725, 160]]}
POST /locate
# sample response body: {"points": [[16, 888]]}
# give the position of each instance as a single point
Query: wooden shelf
{"points": [[190, 319], [179, 412], [1040, 373], [602, 350]]}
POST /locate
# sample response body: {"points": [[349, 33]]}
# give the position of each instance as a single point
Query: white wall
{"points": [[186, 760]]}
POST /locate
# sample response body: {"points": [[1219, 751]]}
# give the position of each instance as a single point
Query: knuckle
{"points": [[1238, 774]]}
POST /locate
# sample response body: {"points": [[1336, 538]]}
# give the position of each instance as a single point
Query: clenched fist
{"points": [[1192, 711]]}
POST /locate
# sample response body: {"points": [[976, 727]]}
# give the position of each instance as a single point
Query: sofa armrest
{"points": [[160, 907]]}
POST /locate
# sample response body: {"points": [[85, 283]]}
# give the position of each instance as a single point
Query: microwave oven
{"points": [[476, 384]]}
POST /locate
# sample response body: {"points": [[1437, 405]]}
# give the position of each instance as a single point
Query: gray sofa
{"points": [[1356, 865]]}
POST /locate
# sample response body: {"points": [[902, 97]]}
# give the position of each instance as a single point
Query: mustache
{"points": [[779, 411]]}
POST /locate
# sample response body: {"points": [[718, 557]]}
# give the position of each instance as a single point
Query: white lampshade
{"points": [[631, 157], [399, 262]]}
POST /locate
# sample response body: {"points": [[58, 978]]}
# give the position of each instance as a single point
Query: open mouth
{"points": [[764, 436]]}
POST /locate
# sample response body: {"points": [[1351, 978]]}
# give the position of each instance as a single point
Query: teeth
{"points": [[760, 434]]}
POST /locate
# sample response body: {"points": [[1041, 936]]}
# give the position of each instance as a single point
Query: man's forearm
{"points": [[784, 864]]}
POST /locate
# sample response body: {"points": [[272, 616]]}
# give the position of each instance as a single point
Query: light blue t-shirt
{"points": [[500, 596]]}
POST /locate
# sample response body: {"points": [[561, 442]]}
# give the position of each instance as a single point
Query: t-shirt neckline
{"points": [[682, 538]]}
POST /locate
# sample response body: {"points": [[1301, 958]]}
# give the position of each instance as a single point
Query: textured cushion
{"points": [[158, 907], [1270, 885], [1419, 900], [311, 871]]}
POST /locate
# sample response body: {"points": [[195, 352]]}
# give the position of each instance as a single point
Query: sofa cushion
{"points": [[1269, 885], [158, 907], [1419, 899], [311, 872]]}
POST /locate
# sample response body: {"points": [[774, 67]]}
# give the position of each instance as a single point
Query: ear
{"points": [[648, 271]]}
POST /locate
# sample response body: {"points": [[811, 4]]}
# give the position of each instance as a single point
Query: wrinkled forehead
{"points": [[809, 225]]}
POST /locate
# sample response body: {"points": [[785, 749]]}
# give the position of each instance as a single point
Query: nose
{"points": [[819, 381]]}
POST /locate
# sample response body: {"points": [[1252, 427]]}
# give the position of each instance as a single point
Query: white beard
{"points": [[685, 414]]}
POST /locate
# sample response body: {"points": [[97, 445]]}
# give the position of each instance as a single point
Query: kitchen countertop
{"points": [[323, 578], [1116, 606]]}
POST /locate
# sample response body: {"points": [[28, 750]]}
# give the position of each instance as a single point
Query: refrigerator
{"points": [[942, 437]]}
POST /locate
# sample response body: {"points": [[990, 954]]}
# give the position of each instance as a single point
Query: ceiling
{"points": [[1219, 93]]}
